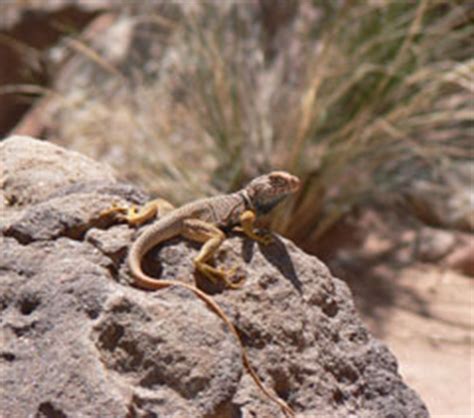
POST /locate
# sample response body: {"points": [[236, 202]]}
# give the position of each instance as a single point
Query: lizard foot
{"points": [[215, 274], [265, 239], [116, 210], [131, 214]]}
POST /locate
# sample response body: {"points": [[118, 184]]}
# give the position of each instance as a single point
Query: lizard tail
{"points": [[145, 282]]}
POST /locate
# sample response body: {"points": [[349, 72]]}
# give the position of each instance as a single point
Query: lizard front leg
{"points": [[133, 216], [212, 237], [247, 220]]}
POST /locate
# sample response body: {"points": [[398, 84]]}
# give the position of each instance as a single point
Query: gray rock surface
{"points": [[76, 340]]}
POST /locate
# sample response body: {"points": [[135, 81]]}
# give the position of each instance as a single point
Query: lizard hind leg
{"points": [[153, 209], [212, 237], [134, 216]]}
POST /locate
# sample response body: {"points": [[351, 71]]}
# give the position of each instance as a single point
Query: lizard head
{"points": [[266, 191]]}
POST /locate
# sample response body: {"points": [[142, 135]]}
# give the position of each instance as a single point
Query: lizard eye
{"points": [[277, 179]]}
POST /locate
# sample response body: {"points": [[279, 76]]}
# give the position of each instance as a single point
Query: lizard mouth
{"points": [[294, 183]]}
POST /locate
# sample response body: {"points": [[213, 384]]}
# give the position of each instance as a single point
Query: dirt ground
{"points": [[429, 328]]}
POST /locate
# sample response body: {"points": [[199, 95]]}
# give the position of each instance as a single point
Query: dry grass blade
{"points": [[93, 55]]}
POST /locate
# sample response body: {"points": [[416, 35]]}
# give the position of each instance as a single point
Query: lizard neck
{"points": [[243, 194]]}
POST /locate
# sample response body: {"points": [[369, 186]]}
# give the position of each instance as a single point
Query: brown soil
{"points": [[429, 328]]}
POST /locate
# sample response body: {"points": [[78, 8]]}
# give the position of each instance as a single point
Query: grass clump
{"points": [[357, 98]]}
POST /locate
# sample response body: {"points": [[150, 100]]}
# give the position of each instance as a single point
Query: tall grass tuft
{"points": [[357, 98]]}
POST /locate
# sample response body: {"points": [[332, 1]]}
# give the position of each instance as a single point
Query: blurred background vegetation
{"points": [[358, 98]]}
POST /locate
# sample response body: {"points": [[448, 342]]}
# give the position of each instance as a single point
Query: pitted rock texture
{"points": [[76, 339]]}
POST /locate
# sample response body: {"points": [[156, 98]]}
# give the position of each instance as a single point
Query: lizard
{"points": [[203, 221]]}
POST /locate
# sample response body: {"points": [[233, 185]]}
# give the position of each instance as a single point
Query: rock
{"points": [[449, 249], [78, 340], [20, 14], [38, 26], [446, 203], [32, 169], [433, 244], [461, 259]]}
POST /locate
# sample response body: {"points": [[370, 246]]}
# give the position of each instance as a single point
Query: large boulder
{"points": [[78, 340]]}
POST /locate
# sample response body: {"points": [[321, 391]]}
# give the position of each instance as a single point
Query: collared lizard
{"points": [[202, 221]]}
